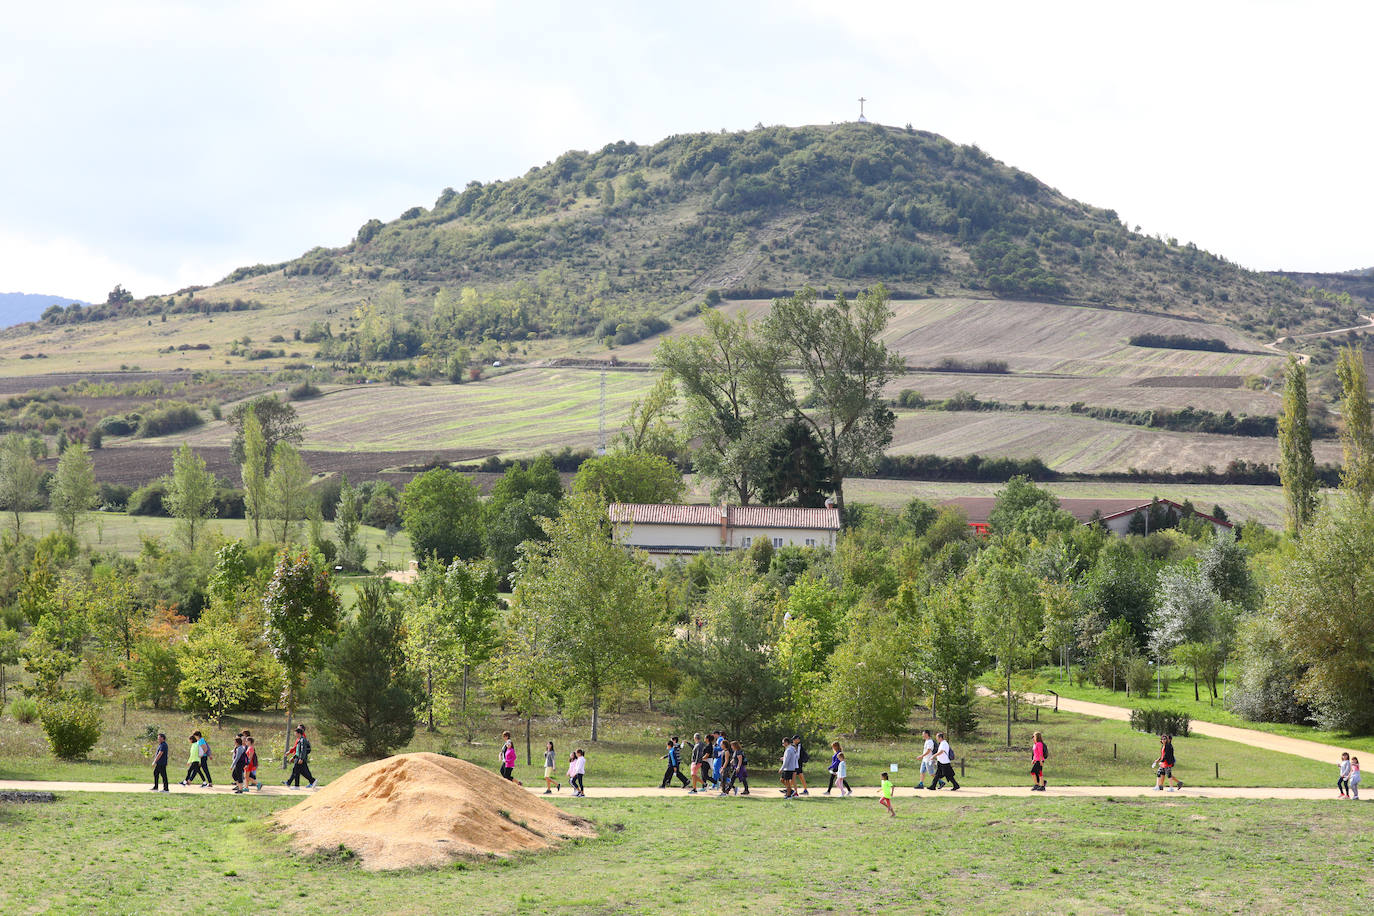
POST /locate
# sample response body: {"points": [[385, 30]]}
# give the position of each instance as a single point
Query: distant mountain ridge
{"points": [[19, 307]]}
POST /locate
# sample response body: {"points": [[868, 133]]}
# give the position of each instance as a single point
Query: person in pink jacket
{"points": [[1039, 755], [508, 759]]}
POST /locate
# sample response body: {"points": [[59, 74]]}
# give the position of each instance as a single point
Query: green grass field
{"points": [[176, 854], [124, 534]]}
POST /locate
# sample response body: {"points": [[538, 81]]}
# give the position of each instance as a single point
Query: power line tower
{"points": [[601, 423]]}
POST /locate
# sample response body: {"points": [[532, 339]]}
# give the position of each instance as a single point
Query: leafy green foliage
{"points": [[71, 724], [1161, 722], [443, 511], [1297, 470], [73, 491], [215, 666], [630, 477]]}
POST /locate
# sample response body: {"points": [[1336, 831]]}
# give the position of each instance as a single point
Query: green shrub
{"points": [[155, 675], [302, 392], [24, 709], [171, 418], [1139, 677], [1161, 721], [910, 397], [72, 726]]}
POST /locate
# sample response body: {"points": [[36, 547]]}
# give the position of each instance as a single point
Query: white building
{"points": [[666, 531]]}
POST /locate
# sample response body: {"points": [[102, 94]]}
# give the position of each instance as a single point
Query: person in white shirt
{"points": [[944, 763], [927, 760]]}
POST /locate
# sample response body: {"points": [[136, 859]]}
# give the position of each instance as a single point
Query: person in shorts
{"points": [[1164, 766], [927, 759], [1038, 755], [802, 758], [548, 769], [788, 772]]}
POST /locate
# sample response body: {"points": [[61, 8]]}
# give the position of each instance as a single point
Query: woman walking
{"points": [[203, 750], [741, 768], [1343, 775], [548, 770], [834, 768], [193, 763], [577, 768], [1164, 766], [1038, 757], [237, 764]]}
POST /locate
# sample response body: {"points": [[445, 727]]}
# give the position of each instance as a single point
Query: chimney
{"points": [[830, 502]]}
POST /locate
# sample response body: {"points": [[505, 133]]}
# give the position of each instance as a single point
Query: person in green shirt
{"points": [[885, 790], [193, 761]]}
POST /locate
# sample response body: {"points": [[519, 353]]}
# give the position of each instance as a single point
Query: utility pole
{"points": [[601, 422]]}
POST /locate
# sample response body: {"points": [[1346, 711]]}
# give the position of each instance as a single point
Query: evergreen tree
{"points": [[362, 693], [1357, 437], [1297, 470]]}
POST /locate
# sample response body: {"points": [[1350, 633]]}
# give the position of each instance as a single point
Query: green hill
{"points": [[593, 242]]}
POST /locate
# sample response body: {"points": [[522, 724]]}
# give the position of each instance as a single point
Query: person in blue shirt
{"points": [[160, 762], [674, 758]]}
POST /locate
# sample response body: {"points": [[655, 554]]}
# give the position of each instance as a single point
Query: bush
{"points": [[72, 726], [155, 675], [148, 499], [302, 392], [24, 709], [172, 418], [1139, 677], [1161, 721], [910, 397]]}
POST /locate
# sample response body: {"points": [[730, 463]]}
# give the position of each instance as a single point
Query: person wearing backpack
{"points": [[802, 758], [674, 769], [944, 763], [1039, 754], [203, 750], [300, 760]]}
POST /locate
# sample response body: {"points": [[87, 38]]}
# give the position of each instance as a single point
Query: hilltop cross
{"points": [[862, 119]]}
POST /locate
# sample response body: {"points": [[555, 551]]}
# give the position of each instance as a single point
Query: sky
{"points": [[161, 144]]}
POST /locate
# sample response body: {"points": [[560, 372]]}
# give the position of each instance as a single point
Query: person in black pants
{"points": [[674, 758], [300, 760], [160, 762]]}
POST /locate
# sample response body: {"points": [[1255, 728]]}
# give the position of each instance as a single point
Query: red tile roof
{"points": [[737, 516]]}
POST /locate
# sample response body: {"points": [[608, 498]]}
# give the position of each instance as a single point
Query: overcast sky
{"points": [[161, 144]]}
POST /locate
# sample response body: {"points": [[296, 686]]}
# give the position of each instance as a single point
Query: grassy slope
{"points": [[119, 533], [104, 854], [1179, 695]]}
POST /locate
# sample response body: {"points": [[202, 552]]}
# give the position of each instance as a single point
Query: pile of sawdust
{"points": [[425, 810]]}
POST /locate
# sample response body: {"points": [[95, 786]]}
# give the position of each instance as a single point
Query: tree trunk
{"points": [[290, 709], [465, 688], [1008, 707], [429, 694], [529, 759], [1196, 698], [596, 710]]}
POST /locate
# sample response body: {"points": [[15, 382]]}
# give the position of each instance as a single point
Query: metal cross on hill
{"points": [[862, 119]]}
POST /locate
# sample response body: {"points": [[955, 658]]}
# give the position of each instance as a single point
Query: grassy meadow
{"points": [[177, 854]]}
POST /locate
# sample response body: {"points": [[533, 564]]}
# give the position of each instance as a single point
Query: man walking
{"points": [[300, 760], [944, 763], [927, 760], [698, 755], [160, 762], [802, 758], [790, 753], [674, 758]]}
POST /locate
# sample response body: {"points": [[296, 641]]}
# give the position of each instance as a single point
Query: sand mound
{"points": [[425, 809]]}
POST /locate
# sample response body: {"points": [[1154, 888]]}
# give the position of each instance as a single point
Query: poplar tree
{"points": [[253, 472], [1357, 439], [73, 488], [191, 496], [1297, 470], [20, 477]]}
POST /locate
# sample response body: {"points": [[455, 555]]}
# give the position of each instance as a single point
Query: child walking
{"points": [[1343, 776], [548, 770], [885, 795], [237, 765], [577, 768], [1038, 755], [841, 774], [250, 760], [1355, 778]]}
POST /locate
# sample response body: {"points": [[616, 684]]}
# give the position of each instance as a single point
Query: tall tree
{"points": [[1297, 470], [288, 492], [276, 417], [442, 510], [191, 496], [630, 477], [845, 367], [648, 426], [253, 473], [301, 610], [73, 488], [347, 521], [797, 471], [1009, 613], [719, 372], [20, 477], [362, 692], [450, 618], [594, 597], [1357, 436]]}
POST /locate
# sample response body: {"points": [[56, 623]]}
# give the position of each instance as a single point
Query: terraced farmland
{"points": [[1096, 391]]}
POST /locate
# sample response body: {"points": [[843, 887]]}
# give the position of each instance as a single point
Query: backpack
{"points": [[1045, 748], [802, 755], [951, 751]]}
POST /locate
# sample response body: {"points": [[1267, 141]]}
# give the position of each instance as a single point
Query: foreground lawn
{"points": [[1083, 751], [171, 854], [1178, 694]]}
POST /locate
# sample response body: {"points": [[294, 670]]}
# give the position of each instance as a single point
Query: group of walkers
{"points": [[243, 764], [1348, 782], [577, 766]]}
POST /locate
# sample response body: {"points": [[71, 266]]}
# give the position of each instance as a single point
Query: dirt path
{"points": [[1305, 358], [1280, 744], [766, 791]]}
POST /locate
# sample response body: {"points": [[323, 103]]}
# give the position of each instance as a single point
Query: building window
{"points": [[748, 541], [810, 542], [777, 542]]}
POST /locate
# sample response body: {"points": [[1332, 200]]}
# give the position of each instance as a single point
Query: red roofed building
{"points": [[665, 531]]}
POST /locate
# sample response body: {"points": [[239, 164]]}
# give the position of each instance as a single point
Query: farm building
{"points": [[1117, 515], [666, 531]]}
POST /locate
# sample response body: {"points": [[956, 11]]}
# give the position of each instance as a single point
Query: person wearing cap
{"points": [[300, 760]]}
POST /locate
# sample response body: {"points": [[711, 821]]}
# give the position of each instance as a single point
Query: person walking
{"points": [[789, 768], [802, 758], [717, 758], [203, 751], [727, 768], [834, 768], [577, 769], [698, 756], [1355, 778], [927, 759], [1039, 754], [841, 777], [508, 761], [250, 764], [237, 764], [944, 764], [1343, 775], [193, 762], [160, 762], [300, 761], [1164, 766], [674, 769], [548, 770], [885, 794], [741, 768]]}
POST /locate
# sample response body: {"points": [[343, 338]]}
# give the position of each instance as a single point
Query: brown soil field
{"points": [[1094, 391]]}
